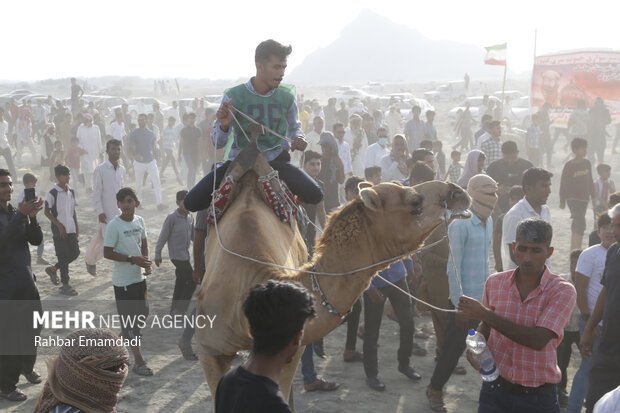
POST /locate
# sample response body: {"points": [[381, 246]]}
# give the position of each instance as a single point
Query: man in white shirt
{"points": [[355, 136], [537, 187], [344, 150], [312, 137], [377, 150], [415, 129], [174, 112], [107, 181], [394, 165], [117, 127], [90, 143]]}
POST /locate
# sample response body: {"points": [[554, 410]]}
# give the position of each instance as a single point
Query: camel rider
{"points": [[272, 104]]}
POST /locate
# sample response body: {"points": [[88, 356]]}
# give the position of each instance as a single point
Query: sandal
{"points": [[435, 400], [142, 369], [186, 350], [51, 271], [68, 290], [14, 396], [33, 377]]}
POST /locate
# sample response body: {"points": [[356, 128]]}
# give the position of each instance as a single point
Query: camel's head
{"points": [[407, 215]]}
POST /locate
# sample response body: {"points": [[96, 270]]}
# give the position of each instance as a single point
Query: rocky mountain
{"points": [[373, 48]]}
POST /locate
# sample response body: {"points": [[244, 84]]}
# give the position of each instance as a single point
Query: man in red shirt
{"points": [[523, 315]]}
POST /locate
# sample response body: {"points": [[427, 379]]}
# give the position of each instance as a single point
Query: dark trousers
{"points": [[451, 351], [67, 250], [11, 367], [353, 322], [299, 182], [497, 399], [578, 209], [604, 377], [131, 304], [168, 158], [192, 161], [373, 313], [8, 156], [184, 286], [564, 351]]}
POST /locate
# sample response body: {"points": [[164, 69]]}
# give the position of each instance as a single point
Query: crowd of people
{"points": [[325, 154]]}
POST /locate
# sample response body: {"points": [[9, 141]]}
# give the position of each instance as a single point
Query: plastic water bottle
{"points": [[478, 345]]}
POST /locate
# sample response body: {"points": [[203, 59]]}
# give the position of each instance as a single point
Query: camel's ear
{"points": [[364, 184], [371, 199]]}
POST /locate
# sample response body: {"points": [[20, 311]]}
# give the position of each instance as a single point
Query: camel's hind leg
{"points": [[287, 375], [215, 367]]}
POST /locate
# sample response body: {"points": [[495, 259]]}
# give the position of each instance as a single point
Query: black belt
{"points": [[545, 389]]}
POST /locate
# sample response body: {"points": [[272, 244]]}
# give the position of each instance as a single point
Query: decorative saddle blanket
{"points": [[284, 204]]}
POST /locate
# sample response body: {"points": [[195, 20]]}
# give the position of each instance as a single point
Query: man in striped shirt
{"points": [[523, 315]]}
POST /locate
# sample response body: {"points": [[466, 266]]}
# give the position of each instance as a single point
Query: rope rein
{"points": [[313, 272]]}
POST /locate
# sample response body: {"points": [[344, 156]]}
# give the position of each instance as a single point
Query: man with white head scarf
{"points": [[470, 243]]}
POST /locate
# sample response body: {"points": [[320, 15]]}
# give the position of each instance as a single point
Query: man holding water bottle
{"points": [[523, 315]]}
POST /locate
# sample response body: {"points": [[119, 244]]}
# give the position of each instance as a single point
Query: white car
{"points": [[449, 91], [511, 94], [475, 104], [520, 114], [373, 87], [346, 95]]}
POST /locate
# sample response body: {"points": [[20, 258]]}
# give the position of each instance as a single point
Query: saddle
{"points": [[275, 192]]}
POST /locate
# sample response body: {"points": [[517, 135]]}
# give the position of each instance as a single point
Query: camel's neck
{"points": [[341, 291]]}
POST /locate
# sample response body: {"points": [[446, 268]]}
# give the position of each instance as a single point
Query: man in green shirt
{"points": [[266, 100]]}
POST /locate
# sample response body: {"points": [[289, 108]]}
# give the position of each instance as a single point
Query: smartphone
{"points": [[29, 194]]}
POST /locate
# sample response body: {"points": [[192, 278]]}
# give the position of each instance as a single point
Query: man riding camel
{"points": [[269, 102]]}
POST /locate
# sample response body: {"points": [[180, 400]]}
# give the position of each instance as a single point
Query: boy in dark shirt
{"points": [[576, 189], [276, 312]]}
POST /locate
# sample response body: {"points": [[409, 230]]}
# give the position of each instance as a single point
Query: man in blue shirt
{"points": [[266, 100], [142, 148], [374, 300], [470, 243]]}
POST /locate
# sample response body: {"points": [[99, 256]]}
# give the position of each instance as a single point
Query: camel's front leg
{"points": [[215, 367], [287, 375]]}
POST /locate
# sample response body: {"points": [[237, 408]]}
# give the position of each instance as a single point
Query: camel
{"points": [[385, 221]]}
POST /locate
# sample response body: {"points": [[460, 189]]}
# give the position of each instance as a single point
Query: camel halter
{"points": [[313, 273]]}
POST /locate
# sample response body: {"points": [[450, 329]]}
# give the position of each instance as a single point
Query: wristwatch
{"points": [[585, 317], [129, 257]]}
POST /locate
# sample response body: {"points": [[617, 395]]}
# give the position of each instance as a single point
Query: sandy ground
{"points": [[179, 385]]}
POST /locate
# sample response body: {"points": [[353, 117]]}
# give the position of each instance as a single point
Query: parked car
{"points": [[373, 87], [475, 102], [511, 94], [346, 95], [449, 91], [520, 113]]}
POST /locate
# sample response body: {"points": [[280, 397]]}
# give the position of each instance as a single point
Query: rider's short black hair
{"points": [[269, 48]]}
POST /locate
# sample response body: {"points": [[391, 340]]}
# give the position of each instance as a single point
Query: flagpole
{"points": [[504, 85]]}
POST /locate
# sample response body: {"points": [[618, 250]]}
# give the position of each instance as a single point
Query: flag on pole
{"points": [[496, 55]]}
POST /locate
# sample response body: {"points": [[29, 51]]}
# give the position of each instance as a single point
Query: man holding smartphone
{"points": [[19, 296]]}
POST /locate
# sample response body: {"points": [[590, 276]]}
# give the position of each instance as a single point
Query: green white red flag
{"points": [[496, 55]]}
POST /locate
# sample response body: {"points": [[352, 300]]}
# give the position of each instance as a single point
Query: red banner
{"points": [[563, 79]]}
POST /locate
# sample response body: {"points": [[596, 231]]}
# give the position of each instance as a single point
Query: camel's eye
{"points": [[416, 206]]}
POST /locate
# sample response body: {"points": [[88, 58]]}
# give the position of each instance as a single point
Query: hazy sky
{"points": [[216, 39]]}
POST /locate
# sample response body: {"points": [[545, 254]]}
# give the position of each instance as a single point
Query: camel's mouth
{"points": [[458, 213]]}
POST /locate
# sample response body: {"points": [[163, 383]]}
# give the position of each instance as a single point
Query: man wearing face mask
{"points": [[378, 150], [470, 242]]}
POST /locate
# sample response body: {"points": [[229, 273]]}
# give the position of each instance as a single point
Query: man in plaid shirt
{"points": [[492, 147], [523, 315]]}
